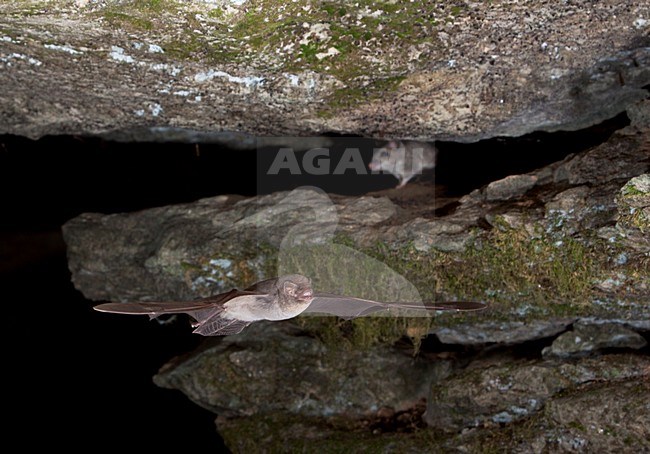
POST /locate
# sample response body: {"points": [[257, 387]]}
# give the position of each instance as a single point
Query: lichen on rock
{"points": [[634, 204]]}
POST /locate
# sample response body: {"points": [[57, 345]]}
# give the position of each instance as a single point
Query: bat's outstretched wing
{"points": [[156, 308], [207, 311], [460, 306], [152, 308], [351, 307]]}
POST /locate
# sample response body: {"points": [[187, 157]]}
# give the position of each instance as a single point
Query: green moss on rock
{"points": [[360, 45], [519, 274], [634, 204]]}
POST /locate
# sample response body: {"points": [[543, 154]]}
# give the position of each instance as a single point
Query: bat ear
{"points": [[290, 288]]}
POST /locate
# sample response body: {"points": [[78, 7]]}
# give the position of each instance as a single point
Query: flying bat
{"points": [[274, 299]]}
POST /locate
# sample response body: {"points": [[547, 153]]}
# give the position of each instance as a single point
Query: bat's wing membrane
{"points": [[151, 308], [172, 307], [343, 306], [457, 306], [206, 312], [351, 307]]}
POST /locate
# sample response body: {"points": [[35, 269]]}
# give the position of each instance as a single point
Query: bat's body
{"points": [[273, 299]]}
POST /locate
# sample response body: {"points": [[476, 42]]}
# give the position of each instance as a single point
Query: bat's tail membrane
{"points": [[210, 322], [217, 326]]}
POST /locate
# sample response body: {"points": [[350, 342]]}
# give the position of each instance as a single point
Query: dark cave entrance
{"points": [[48, 181]]}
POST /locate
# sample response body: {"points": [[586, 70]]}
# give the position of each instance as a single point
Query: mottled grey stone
{"points": [[587, 338], [268, 368], [601, 417], [507, 333], [510, 187], [485, 393]]}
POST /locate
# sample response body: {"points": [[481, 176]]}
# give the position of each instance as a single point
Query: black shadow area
{"points": [[73, 377]]}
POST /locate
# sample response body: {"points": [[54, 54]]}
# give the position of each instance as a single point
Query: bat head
{"points": [[297, 287]]}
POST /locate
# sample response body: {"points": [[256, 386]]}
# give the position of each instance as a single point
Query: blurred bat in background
{"points": [[275, 299]]}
